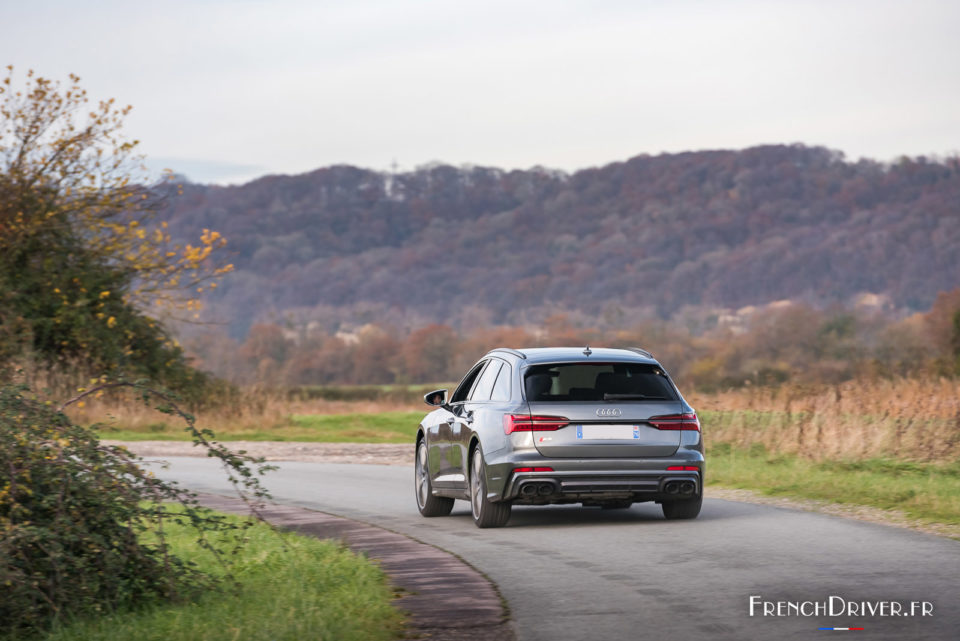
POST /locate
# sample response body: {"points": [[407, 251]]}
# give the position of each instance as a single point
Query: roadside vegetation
{"points": [[82, 525], [927, 492], [909, 419], [891, 444], [89, 547], [279, 587]]}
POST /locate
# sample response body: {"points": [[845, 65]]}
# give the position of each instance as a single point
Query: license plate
{"points": [[608, 432]]}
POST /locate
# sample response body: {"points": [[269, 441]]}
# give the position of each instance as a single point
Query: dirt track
{"points": [[372, 453]]}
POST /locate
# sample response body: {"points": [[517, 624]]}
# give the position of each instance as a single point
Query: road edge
{"points": [[851, 511], [446, 598]]}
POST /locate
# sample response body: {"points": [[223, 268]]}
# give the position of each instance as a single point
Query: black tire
{"points": [[427, 503], [485, 512], [683, 509]]}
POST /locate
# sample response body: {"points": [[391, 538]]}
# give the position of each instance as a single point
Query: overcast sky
{"points": [[225, 90]]}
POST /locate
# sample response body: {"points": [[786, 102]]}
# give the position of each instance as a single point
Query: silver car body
{"points": [[610, 451]]}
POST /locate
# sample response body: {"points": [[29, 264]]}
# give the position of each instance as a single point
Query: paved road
{"points": [[575, 573]]}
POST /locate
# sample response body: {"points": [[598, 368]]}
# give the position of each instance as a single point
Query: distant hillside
{"points": [[645, 236]]}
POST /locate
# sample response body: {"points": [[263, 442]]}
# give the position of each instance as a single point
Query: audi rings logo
{"points": [[609, 411]]}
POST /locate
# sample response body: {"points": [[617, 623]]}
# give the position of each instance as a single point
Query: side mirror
{"points": [[436, 398]]}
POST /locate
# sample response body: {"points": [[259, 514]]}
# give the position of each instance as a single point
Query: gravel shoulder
{"points": [[367, 453], [402, 454]]}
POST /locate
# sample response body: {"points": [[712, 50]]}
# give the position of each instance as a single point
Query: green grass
{"points": [[927, 492], [385, 427], [306, 589], [382, 427], [396, 392]]}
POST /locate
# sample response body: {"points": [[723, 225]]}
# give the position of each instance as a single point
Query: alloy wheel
{"points": [[423, 487]]}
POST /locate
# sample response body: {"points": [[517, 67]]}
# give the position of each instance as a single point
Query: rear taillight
{"points": [[533, 469], [526, 423], [676, 422], [683, 468]]}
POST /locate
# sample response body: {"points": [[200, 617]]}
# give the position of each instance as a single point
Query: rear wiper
{"points": [[633, 397]]}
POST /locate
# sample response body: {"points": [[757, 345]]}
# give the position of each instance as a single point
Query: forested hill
{"points": [[649, 235]]}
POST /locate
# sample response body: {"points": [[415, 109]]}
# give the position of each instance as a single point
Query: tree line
{"points": [[784, 341]]}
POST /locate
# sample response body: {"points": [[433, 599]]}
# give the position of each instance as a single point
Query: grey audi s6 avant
{"points": [[601, 427]]}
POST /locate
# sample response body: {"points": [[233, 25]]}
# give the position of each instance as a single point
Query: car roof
{"points": [[537, 355]]}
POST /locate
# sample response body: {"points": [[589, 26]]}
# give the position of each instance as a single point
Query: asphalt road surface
{"points": [[582, 573]]}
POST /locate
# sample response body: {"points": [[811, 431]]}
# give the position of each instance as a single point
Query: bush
{"points": [[81, 255], [72, 512]]}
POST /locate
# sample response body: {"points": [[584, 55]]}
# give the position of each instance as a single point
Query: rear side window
{"points": [[481, 391], [572, 382], [501, 389]]}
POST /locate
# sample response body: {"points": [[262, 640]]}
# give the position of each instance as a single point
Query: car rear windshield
{"points": [[573, 382]]}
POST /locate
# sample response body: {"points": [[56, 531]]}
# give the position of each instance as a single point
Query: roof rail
{"points": [[515, 352], [640, 351]]}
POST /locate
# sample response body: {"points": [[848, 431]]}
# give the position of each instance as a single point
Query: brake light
{"points": [[676, 422], [526, 423], [533, 469], [683, 468]]}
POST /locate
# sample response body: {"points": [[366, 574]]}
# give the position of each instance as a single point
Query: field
{"points": [[374, 414], [290, 588], [907, 419]]}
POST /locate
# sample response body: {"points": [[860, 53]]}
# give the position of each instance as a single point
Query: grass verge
{"points": [[928, 492], [380, 427], [306, 589]]}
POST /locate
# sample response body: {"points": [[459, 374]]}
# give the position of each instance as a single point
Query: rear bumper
{"points": [[594, 485]]}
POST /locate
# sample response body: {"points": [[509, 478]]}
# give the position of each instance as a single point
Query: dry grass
{"points": [[256, 410], [907, 419]]}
